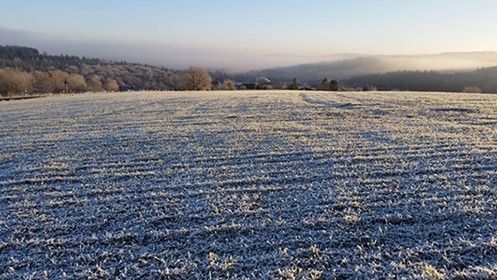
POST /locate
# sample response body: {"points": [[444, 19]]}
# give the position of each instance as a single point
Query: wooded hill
{"points": [[48, 71], [365, 65], [481, 80]]}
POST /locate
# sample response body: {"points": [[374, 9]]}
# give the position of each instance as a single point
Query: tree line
{"points": [[481, 80], [18, 82], [27, 71]]}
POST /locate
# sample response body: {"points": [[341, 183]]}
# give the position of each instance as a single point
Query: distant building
{"points": [[263, 81], [260, 83]]}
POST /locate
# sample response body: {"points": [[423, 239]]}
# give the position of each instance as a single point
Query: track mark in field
{"points": [[320, 100]]}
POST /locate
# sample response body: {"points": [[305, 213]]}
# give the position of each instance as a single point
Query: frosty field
{"points": [[255, 185]]}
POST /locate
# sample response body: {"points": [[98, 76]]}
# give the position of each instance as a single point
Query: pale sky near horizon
{"points": [[260, 27]]}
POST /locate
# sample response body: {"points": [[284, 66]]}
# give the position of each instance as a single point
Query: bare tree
{"points": [[42, 82], [331, 85], [94, 83], [196, 78], [76, 83], [228, 85], [59, 80], [14, 82], [111, 85]]}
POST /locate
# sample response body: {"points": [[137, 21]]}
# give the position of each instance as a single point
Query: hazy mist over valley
{"points": [[161, 54], [339, 65]]}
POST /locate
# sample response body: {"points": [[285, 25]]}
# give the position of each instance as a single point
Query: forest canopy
{"points": [[25, 70]]}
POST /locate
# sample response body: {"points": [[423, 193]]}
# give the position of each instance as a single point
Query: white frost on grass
{"points": [[248, 184]]}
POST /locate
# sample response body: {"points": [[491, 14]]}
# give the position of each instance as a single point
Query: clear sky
{"points": [[263, 27]]}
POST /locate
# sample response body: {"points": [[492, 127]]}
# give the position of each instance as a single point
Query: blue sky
{"points": [[265, 27]]}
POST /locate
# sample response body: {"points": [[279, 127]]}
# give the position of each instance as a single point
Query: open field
{"points": [[249, 185]]}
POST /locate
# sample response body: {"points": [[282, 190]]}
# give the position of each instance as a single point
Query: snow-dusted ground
{"points": [[249, 185]]}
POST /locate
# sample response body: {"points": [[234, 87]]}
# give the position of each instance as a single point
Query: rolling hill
{"points": [[364, 65]]}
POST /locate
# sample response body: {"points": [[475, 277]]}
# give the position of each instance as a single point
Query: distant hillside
{"points": [[129, 76], [479, 80], [28, 70], [345, 69]]}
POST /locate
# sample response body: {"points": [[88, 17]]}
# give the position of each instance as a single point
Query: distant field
{"points": [[249, 184]]}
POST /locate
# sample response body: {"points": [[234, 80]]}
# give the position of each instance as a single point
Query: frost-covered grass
{"points": [[249, 185]]}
